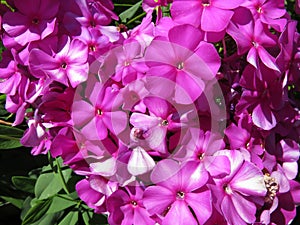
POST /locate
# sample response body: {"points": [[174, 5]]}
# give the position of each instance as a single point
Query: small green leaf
{"points": [[48, 184], [10, 137], [37, 211], [59, 204], [16, 202], [129, 13], [24, 183], [70, 219]]}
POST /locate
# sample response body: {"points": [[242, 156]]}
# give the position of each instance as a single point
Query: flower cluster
{"points": [[191, 118]]}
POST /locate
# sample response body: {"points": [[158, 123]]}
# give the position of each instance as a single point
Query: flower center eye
{"points": [[200, 156], [227, 189], [92, 48], [64, 65], [254, 44], [180, 66], [165, 123], [35, 21], [205, 2], [259, 9], [272, 188], [180, 195], [99, 112], [126, 63], [134, 203], [138, 133]]}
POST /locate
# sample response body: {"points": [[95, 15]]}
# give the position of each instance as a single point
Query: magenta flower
{"points": [[126, 207], [209, 15], [100, 113], [69, 65], [231, 193], [94, 192], [178, 60], [154, 127], [10, 74], [178, 191], [268, 11], [252, 37], [262, 97], [33, 20]]}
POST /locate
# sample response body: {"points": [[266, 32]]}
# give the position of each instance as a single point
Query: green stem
{"points": [[61, 176], [135, 18], [122, 5]]}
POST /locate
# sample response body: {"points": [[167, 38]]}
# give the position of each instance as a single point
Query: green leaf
{"points": [[48, 219], [10, 137], [24, 183], [70, 219], [37, 211], [15, 201], [129, 13], [59, 204], [48, 184]]}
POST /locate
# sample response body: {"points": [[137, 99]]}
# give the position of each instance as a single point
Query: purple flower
{"points": [[209, 15], [126, 207], [253, 37], [33, 20], [179, 60], [261, 97], [69, 65], [231, 193], [179, 193], [100, 113], [154, 127], [268, 11]]}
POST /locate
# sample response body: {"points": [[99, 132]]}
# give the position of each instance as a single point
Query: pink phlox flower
{"points": [[268, 11], [262, 97], [231, 194], [94, 191], [178, 60], [152, 129], [33, 20], [279, 206], [68, 66], [253, 37], [10, 73], [245, 136], [96, 43], [130, 65], [133, 95], [289, 48], [179, 193], [126, 207], [209, 15], [95, 12], [200, 147], [143, 33], [100, 113]]}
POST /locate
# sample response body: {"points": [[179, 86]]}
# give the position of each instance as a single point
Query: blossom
{"points": [[263, 96], [177, 60], [126, 207], [68, 65], [178, 189], [269, 12], [231, 192], [209, 15], [254, 37], [33, 20]]}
